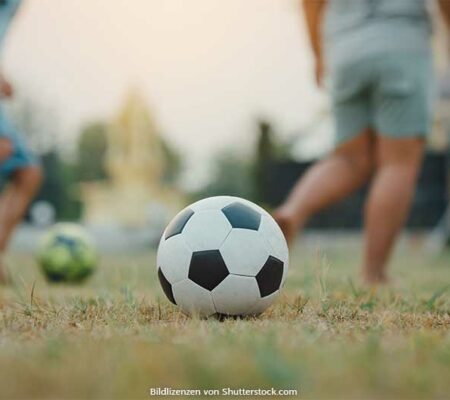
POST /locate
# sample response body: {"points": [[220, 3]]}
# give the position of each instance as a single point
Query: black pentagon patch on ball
{"points": [[208, 269], [65, 241], [71, 244], [270, 277], [242, 217], [166, 286], [178, 223]]}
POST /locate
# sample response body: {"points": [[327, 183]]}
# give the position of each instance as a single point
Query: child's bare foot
{"points": [[286, 223], [374, 278]]}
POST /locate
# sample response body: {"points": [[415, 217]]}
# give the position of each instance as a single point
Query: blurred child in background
{"points": [[18, 167], [378, 58]]}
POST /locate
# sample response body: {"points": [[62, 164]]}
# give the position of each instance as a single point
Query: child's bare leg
{"points": [[14, 203], [398, 163], [327, 182]]}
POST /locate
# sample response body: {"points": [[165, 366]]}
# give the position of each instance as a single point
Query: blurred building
{"points": [[134, 193]]}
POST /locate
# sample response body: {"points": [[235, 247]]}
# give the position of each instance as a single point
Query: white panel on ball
{"points": [[244, 252], [174, 257], [206, 230], [236, 295], [193, 299], [271, 232], [264, 303], [213, 203]]}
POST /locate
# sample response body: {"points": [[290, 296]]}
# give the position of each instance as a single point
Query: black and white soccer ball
{"points": [[222, 255], [67, 253]]}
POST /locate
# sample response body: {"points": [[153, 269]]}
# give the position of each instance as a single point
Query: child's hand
{"points": [[6, 149], [6, 90]]}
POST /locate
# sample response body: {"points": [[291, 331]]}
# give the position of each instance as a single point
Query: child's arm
{"points": [[313, 14], [444, 6]]}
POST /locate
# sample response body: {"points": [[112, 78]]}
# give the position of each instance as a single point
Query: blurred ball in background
{"points": [[67, 254]]}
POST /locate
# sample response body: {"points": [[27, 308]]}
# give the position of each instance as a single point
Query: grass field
{"points": [[117, 336]]}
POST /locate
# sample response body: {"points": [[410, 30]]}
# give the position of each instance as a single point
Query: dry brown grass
{"points": [[116, 336]]}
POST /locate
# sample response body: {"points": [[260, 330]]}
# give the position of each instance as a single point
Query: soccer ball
{"points": [[222, 255], [67, 254]]}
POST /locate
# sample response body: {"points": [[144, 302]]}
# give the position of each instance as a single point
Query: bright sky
{"points": [[208, 68]]}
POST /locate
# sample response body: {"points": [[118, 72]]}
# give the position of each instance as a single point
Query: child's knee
{"points": [[406, 152], [359, 154], [363, 163], [29, 178], [36, 176]]}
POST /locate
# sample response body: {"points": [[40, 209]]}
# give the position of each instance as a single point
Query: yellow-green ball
{"points": [[67, 254]]}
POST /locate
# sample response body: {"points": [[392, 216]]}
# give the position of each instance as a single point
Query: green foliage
{"points": [[436, 295], [232, 175], [235, 174], [268, 150], [173, 162], [59, 186], [265, 154], [92, 146]]}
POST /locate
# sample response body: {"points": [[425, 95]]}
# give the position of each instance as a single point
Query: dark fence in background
{"points": [[429, 204]]}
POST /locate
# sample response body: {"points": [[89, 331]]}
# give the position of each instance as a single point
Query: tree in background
{"points": [[59, 186], [91, 152], [173, 162], [243, 176], [265, 154], [232, 175]]}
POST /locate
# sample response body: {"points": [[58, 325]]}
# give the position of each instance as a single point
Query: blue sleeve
{"points": [[7, 12]]}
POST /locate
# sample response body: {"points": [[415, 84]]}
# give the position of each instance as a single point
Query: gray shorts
{"points": [[392, 94]]}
